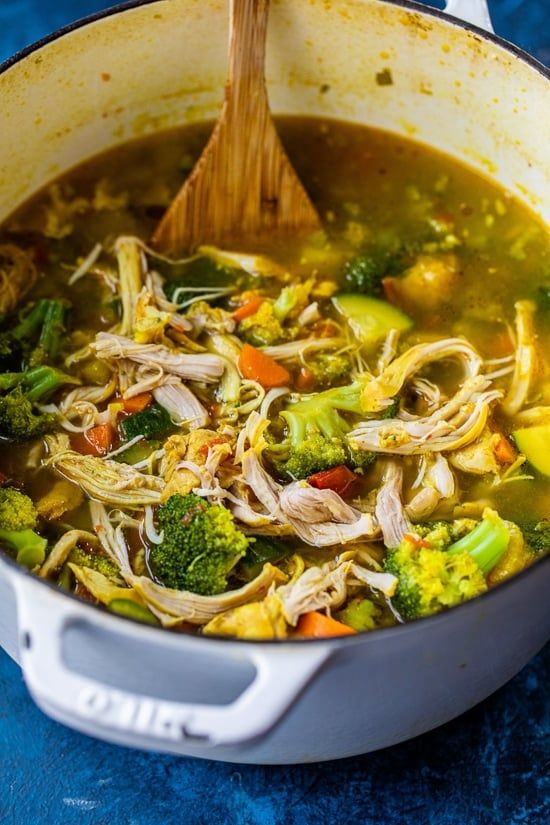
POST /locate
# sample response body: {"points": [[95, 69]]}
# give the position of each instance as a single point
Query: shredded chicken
{"points": [[478, 458], [380, 392], [525, 361], [295, 349], [196, 367], [185, 459], [422, 504], [131, 267], [103, 479], [190, 607], [183, 406], [62, 548], [111, 538], [326, 587], [456, 424], [300, 501], [389, 508]]}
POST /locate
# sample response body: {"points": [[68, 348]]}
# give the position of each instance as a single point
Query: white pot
{"points": [[155, 65]]}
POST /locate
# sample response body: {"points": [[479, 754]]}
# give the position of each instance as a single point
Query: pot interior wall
{"points": [[163, 64]]}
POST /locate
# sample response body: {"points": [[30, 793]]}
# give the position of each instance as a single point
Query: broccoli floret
{"points": [[364, 274], [329, 369], [97, 561], [17, 511], [263, 328], [432, 579], [313, 454], [18, 518], [292, 299], [151, 423], [201, 545], [317, 432], [361, 614], [18, 419], [537, 535], [441, 534]]}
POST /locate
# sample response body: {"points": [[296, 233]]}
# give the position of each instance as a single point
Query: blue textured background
{"points": [[488, 766]]}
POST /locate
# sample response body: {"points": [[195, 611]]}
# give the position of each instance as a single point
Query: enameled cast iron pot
{"points": [[149, 66]]}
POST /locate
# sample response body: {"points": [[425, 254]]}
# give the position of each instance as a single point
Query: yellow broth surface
{"points": [[373, 190]]}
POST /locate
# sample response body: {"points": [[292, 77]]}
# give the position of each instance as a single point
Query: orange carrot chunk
{"points": [[138, 402], [504, 452], [248, 308], [97, 441], [318, 626], [259, 367]]}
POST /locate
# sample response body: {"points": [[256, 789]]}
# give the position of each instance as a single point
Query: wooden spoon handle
{"points": [[247, 24], [243, 187]]}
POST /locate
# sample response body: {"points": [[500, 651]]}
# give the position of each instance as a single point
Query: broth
{"points": [[452, 253]]}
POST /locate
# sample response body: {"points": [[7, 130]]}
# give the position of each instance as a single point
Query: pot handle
{"points": [[144, 721], [471, 11]]}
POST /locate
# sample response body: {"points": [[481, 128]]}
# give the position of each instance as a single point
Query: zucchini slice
{"points": [[534, 443], [370, 318]]}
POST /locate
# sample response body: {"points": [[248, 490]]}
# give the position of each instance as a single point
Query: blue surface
{"points": [[488, 766]]}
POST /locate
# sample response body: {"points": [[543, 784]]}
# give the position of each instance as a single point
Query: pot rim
{"points": [[407, 627], [410, 5]]}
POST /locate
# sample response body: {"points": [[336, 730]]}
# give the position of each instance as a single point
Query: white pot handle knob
{"points": [[145, 721], [471, 11]]}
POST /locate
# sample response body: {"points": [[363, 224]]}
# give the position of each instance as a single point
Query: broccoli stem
{"points": [[52, 330], [486, 543], [29, 546], [39, 382], [32, 322]]}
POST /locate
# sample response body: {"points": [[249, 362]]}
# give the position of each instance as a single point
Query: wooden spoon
{"points": [[243, 186]]}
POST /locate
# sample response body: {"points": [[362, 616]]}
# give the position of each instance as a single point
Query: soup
{"points": [[317, 437]]}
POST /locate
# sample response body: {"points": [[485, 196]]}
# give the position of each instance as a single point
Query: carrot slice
{"points": [[504, 452], [338, 479], [259, 367], [97, 441], [138, 402], [248, 308], [318, 626]]}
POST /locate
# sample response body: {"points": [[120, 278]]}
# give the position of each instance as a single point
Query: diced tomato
{"points": [[338, 479]]}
